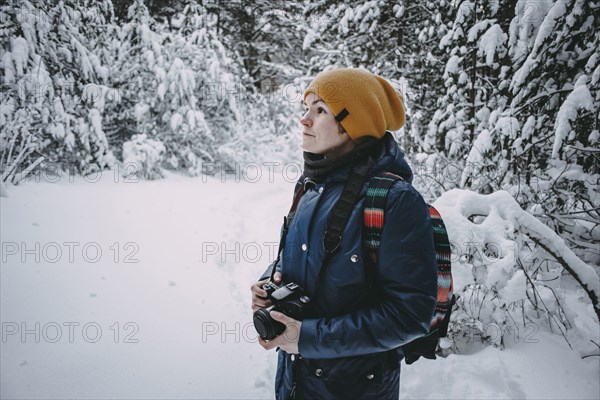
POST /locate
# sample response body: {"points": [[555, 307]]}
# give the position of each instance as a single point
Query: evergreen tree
{"points": [[555, 96], [201, 93], [53, 85], [266, 36], [520, 111], [476, 45], [138, 61]]}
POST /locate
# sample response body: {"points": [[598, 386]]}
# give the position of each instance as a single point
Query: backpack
{"points": [[374, 215]]}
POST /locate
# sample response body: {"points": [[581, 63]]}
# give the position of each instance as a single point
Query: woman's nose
{"points": [[304, 120]]}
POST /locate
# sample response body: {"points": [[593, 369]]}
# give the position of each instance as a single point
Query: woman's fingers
{"points": [[257, 303], [258, 295], [257, 289]]}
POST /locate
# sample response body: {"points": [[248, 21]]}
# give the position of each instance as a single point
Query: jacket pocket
{"points": [[361, 377]]}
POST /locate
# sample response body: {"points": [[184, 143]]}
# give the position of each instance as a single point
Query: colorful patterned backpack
{"points": [[374, 215]]}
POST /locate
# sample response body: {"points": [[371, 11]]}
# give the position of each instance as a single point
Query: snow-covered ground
{"points": [[141, 290]]}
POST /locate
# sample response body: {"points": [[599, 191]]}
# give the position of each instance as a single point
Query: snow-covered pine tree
{"points": [[538, 141], [537, 129], [199, 95], [267, 36], [187, 90], [556, 99], [139, 64], [263, 40], [463, 125], [54, 87]]}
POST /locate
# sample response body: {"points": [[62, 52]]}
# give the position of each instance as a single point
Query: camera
{"points": [[287, 299]]}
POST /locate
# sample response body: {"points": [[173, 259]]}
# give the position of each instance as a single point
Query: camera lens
{"points": [[265, 325]]}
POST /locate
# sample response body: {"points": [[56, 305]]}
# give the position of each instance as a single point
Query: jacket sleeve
{"points": [[406, 278]]}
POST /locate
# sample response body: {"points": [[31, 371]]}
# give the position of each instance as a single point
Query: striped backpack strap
{"points": [[374, 211], [374, 216], [445, 298]]}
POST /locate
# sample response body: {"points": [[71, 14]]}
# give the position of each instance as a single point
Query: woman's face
{"points": [[320, 131]]}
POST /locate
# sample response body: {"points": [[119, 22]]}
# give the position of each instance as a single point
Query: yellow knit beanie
{"points": [[364, 103]]}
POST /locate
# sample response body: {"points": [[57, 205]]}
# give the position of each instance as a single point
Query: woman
{"points": [[349, 344]]}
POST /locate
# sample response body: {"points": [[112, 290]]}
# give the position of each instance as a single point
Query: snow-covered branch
{"points": [[489, 235]]}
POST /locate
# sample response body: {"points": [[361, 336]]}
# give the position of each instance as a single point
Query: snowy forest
{"points": [[502, 132]]}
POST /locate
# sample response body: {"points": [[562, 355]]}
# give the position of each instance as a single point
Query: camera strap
{"points": [[341, 212], [287, 220], [339, 215]]}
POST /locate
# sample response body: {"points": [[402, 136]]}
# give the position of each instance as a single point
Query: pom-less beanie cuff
{"points": [[364, 103]]}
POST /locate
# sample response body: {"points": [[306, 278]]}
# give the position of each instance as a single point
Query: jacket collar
{"points": [[388, 157]]}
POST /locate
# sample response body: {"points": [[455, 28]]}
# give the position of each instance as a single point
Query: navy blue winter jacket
{"points": [[350, 345]]}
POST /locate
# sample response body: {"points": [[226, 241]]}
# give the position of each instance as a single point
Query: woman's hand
{"points": [[258, 294], [288, 340]]}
